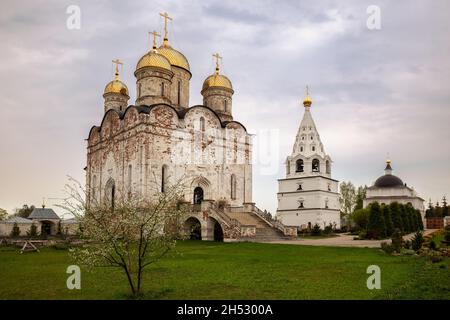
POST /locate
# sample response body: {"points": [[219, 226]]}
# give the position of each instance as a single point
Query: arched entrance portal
{"points": [[218, 232], [198, 195], [193, 229]]}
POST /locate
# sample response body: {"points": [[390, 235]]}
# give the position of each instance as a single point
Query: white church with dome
{"points": [[389, 188]]}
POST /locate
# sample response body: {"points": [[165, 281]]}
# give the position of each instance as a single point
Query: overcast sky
{"points": [[374, 91]]}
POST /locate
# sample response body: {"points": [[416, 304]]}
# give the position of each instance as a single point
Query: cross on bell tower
{"points": [[217, 57]]}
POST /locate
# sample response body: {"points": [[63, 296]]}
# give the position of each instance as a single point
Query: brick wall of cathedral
{"points": [[132, 151]]}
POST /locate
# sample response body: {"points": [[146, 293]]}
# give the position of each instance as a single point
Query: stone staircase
{"points": [[264, 231]]}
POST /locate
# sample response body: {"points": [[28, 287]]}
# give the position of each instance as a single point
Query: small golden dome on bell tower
{"points": [[307, 101]]}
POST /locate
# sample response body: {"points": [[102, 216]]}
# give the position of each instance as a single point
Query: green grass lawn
{"points": [[211, 270]]}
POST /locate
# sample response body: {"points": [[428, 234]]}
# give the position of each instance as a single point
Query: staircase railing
{"points": [[228, 220], [266, 216]]}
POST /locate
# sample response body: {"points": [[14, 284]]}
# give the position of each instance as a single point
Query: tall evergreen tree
{"points": [[412, 218], [376, 228], [419, 220], [445, 210], [396, 216], [387, 219], [360, 195], [430, 211], [405, 220], [437, 210]]}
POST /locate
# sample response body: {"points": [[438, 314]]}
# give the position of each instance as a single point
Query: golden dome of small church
{"points": [[142, 148]]}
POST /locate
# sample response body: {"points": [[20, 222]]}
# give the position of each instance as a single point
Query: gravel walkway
{"points": [[344, 240]]}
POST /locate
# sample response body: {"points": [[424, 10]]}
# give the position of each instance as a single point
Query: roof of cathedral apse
{"points": [[146, 109]]}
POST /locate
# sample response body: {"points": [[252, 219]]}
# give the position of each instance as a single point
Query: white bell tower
{"points": [[308, 195]]}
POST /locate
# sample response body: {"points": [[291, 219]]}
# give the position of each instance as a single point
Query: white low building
{"points": [[389, 188], [46, 221]]}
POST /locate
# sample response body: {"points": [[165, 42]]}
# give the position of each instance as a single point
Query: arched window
{"points": [[93, 186], [163, 178], [202, 124], [130, 179], [225, 105], [315, 165], [326, 203], [299, 165], [288, 167], [313, 148], [300, 186], [301, 203], [233, 187], [301, 149], [110, 193], [162, 89], [328, 167], [139, 90], [179, 92]]}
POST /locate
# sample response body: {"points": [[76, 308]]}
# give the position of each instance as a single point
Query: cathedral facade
{"points": [[308, 195]]}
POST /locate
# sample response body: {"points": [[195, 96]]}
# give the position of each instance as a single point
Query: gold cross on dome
{"points": [[155, 34], [218, 57], [307, 91], [166, 17], [117, 62]]}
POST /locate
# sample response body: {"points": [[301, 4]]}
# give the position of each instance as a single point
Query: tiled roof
{"points": [[43, 213]]}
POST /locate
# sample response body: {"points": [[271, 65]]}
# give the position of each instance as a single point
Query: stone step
{"points": [[264, 232]]}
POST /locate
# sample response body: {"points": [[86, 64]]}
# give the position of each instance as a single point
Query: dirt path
{"points": [[344, 240]]}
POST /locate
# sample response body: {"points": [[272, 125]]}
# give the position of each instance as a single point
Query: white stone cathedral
{"points": [[308, 195], [140, 149]]}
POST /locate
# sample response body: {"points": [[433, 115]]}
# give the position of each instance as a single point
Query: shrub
{"points": [[432, 245], [33, 231], [362, 235], [417, 241], [328, 229], [395, 215], [376, 227], [316, 231], [386, 210], [361, 218], [397, 240], [15, 232], [447, 236], [388, 248], [407, 244], [419, 220]]}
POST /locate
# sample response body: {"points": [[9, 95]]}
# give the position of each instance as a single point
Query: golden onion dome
{"points": [[307, 101], [155, 60], [217, 80], [176, 58], [116, 86]]}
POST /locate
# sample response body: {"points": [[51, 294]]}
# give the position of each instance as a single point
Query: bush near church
{"points": [[381, 221]]}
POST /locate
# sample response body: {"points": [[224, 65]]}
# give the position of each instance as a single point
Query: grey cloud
{"points": [[373, 91]]}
